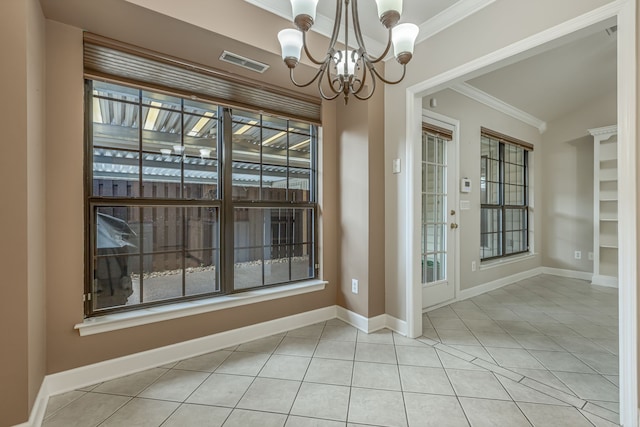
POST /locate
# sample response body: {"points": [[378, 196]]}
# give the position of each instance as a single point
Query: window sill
{"points": [[488, 265], [113, 322]]}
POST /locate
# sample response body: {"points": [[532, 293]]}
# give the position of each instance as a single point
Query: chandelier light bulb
{"points": [[404, 38], [304, 13], [351, 58], [389, 12], [291, 45]]}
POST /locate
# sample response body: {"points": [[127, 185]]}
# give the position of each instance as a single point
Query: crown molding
{"points": [[450, 16], [499, 105], [604, 130]]}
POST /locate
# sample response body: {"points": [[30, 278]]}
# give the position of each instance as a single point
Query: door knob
{"points": [[454, 225], [453, 212]]}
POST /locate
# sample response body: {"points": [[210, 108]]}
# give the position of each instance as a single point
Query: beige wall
{"points": [[567, 164], [360, 130], [66, 349], [23, 337], [472, 116], [14, 243], [36, 195], [453, 47]]}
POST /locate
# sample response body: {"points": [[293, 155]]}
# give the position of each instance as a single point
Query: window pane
{"points": [[274, 183], [201, 272], [163, 229], [247, 272], [246, 181], [115, 124], [274, 141], [490, 232], [276, 152], [248, 228], [202, 228], [200, 178], [302, 262], [299, 151], [299, 185], [162, 277], [114, 91], [161, 100], [115, 256], [277, 264]]}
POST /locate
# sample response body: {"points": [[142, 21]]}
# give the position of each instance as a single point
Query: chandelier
{"points": [[350, 71]]}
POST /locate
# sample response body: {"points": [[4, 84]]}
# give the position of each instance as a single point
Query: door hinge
{"points": [[86, 297], [317, 266]]}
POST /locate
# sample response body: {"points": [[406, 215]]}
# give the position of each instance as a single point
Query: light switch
{"points": [[396, 166]]}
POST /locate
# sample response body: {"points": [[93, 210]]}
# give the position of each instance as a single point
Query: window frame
{"points": [[224, 203], [502, 207]]}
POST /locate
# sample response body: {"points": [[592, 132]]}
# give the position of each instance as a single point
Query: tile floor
{"points": [[541, 352]]}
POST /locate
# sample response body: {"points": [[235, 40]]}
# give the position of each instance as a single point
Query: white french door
{"points": [[439, 214]]}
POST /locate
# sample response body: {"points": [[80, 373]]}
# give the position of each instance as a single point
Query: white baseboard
{"points": [[572, 274], [360, 322], [397, 325], [36, 417], [372, 324], [608, 281], [497, 284], [98, 372]]}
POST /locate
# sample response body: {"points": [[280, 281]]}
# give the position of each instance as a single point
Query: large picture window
{"points": [[187, 199], [504, 216]]}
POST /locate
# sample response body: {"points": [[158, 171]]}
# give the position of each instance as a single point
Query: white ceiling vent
{"points": [[241, 61]]}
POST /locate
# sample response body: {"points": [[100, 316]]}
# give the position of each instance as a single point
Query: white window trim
{"points": [[144, 316], [499, 262]]}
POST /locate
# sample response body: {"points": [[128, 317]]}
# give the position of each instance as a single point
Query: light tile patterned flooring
{"points": [[540, 352]]}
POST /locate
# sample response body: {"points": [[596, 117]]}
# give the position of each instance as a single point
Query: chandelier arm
{"points": [[332, 84], [356, 26], [369, 95], [386, 51], [404, 72], [364, 77], [335, 92], [318, 75], [373, 88], [308, 53], [336, 27]]}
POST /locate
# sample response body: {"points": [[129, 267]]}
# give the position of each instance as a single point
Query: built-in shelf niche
{"points": [[605, 212]]}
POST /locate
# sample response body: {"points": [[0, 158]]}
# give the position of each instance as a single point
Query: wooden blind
{"points": [[438, 131], [111, 60], [505, 138]]}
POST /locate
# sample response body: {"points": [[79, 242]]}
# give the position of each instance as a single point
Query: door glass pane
{"points": [[434, 208]]}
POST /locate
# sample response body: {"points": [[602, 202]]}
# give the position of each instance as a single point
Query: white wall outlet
{"points": [[354, 286], [590, 255], [473, 266], [577, 254]]}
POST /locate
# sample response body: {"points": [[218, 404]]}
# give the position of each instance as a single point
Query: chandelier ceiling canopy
{"points": [[351, 71]]}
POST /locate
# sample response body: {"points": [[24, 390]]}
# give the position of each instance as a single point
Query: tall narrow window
{"points": [[504, 217], [172, 217]]}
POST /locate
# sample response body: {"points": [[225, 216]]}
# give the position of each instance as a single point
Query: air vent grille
{"points": [[241, 61]]}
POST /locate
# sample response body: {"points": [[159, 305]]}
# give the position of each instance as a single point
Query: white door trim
{"points": [[625, 12], [454, 126]]}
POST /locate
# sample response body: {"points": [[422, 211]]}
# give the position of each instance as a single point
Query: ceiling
{"points": [[574, 71], [558, 81], [431, 16]]}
